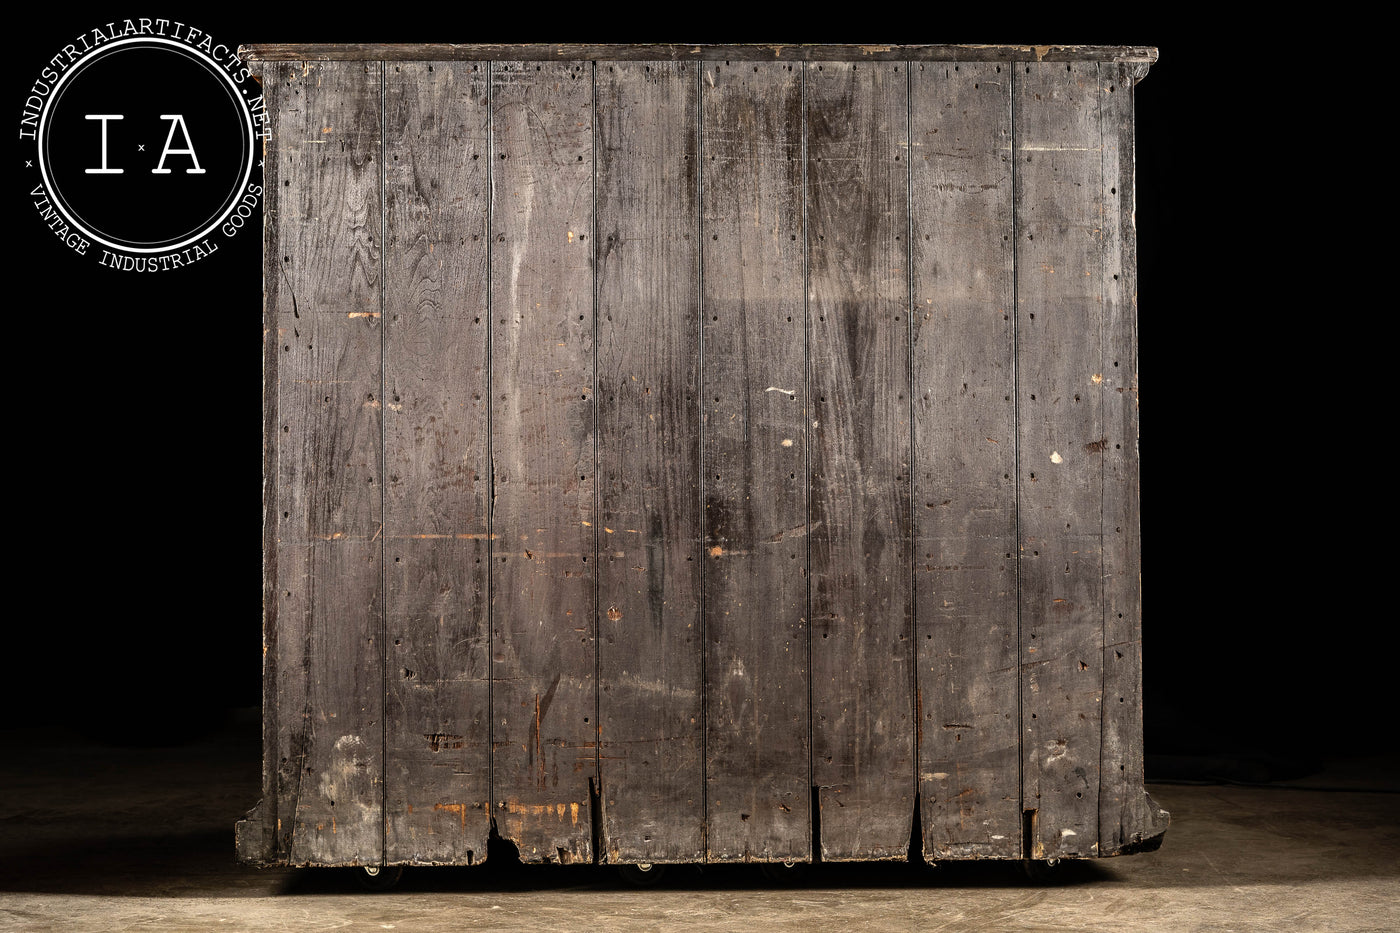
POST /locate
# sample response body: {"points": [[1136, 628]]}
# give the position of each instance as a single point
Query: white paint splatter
{"points": [[1055, 457], [790, 393]]}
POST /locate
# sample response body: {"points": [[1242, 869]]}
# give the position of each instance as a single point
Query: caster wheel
{"points": [[784, 872], [1042, 871], [378, 878], [642, 875]]}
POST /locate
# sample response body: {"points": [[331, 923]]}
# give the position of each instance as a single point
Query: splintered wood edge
{"points": [[275, 52]]}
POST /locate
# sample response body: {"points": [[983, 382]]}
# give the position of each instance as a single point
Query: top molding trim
{"points": [[436, 52]]}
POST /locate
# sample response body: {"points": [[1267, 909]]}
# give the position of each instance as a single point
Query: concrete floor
{"points": [[106, 839]]}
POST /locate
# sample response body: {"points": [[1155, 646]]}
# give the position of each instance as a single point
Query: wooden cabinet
{"points": [[700, 454]]}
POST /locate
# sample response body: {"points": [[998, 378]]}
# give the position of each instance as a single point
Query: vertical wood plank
{"points": [[858, 372], [1059, 283], [754, 479], [1127, 816], [543, 624], [437, 158], [329, 664], [255, 837], [965, 446], [649, 461]]}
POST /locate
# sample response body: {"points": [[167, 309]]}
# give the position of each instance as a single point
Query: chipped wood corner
{"points": [[1147, 836]]}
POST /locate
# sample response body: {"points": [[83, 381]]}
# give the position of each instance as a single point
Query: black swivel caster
{"points": [[642, 875], [1042, 870], [378, 877]]}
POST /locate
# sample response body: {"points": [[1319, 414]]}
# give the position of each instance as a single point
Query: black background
{"points": [[134, 608]]}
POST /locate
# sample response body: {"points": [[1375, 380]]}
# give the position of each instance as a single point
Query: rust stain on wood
{"points": [[458, 808], [556, 810]]}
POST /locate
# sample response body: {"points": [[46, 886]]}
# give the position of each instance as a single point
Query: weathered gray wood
{"points": [[436, 164], [1059, 281], [779, 52], [858, 372], [1127, 816], [453, 510], [543, 417], [329, 663], [754, 482], [965, 443], [649, 704]]}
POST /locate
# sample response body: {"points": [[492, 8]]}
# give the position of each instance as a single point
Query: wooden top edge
{"points": [[281, 52]]}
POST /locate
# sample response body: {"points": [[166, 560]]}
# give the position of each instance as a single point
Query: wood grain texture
{"points": [[1060, 322], [754, 482], [965, 452], [858, 372], [329, 541], [543, 428], [1127, 816], [436, 163], [649, 704]]}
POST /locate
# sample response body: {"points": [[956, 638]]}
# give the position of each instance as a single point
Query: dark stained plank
{"points": [[1059, 280], [965, 444], [650, 715], [780, 52], [254, 835], [858, 372], [543, 625], [329, 532], [754, 400], [437, 158], [1127, 816]]}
